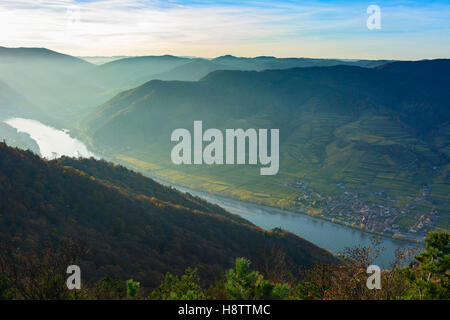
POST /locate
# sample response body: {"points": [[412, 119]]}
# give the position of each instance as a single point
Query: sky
{"points": [[409, 29]]}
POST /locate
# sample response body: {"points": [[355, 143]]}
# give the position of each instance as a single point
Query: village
{"points": [[382, 217]]}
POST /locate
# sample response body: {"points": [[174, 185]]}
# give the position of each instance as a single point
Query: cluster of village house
{"points": [[349, 208]]}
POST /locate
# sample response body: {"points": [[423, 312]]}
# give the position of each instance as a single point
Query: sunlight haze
{"points": [[322, 29]]}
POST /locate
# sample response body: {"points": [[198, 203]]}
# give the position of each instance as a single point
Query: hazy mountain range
{"points": [[65, 86], [374, 131]]}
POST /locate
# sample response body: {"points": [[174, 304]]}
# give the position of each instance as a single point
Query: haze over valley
{"points": [[363, 143]]}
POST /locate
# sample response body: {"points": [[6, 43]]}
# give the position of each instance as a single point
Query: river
{"points": [[333, 237], [53, 143]]}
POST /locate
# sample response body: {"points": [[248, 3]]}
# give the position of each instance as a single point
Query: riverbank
{"points": [[139, 167], [323, 232], [216, 195], [329, 235]]}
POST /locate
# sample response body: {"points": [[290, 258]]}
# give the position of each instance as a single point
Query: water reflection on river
{"points": [[53, 143]]}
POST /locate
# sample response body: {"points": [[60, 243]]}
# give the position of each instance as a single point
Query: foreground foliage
{"points": [[425, 278], [430, 278]]}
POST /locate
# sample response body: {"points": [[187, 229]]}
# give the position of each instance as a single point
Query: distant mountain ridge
{"points": [[37, 53], [54, 82], [68, 86], [12, 103]]}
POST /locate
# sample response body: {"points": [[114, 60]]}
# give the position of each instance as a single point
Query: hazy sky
{"points": [[409, 29]]}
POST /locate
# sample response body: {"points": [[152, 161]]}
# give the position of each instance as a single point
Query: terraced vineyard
{"points": [[364, 147]]}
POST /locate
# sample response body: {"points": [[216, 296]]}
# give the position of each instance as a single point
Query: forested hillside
{"points": [[130, 226]]}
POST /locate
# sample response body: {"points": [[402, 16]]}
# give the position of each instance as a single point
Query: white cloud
{"points": [[137, 27]]}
